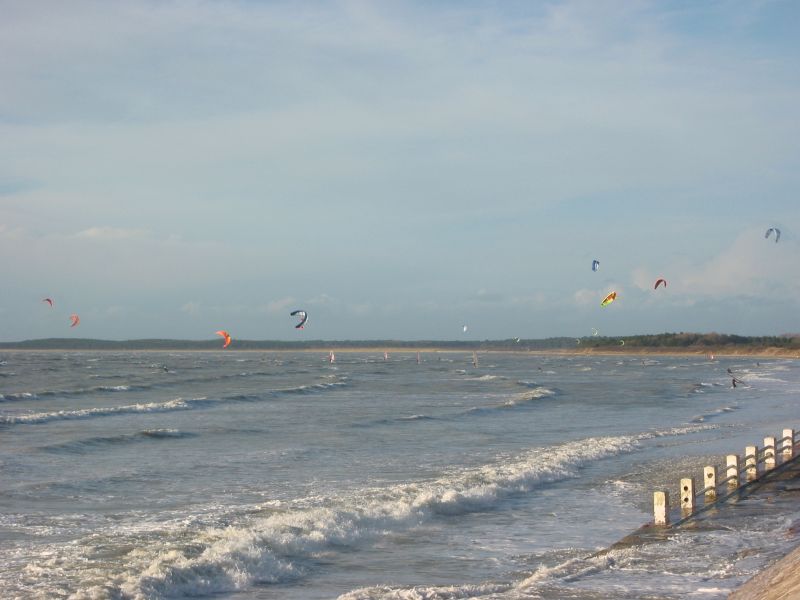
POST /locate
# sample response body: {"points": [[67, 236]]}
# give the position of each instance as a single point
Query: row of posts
{"points": [[752, 458]]}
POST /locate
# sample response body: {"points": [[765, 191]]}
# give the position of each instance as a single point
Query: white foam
{"points": [[87, 413], [445, 592], [529, 396], [18, 396], [171, 405], [272, 548], [232, 548]]}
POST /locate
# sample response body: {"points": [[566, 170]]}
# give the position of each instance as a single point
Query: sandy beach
{"points": [[781, 581]]}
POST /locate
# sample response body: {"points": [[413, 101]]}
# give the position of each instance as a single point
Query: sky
{"points": [[398, 169]]}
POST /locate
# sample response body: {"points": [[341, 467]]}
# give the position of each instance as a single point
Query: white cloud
{"points": [[590, 297], [279, 306], [642, 278], [749, 266], [322, 299], [191, 308], [113, 234]]}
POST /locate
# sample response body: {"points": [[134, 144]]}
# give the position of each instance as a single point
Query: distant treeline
{"points": [[687, 341], [700, 341]]}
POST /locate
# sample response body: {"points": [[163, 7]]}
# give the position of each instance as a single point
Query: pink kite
{"points": [[75, 320]]}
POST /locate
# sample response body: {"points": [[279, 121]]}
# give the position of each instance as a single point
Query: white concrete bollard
{"points": [[687, 495], [751, 463], [661, 508], [732, 470], [769, 453], [788, 444], [710, 483]]}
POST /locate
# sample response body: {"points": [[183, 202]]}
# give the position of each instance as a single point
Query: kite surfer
{"points": [[734, 380]]}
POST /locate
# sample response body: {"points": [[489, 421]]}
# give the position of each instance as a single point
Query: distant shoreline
{"points": [[664, 344], [726, 353]]}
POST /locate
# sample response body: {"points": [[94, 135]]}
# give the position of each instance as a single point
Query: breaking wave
{"points": [[278, 542], [168, 406]]}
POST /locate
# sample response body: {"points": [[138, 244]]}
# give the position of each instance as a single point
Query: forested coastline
{"points": [[696, 342]]}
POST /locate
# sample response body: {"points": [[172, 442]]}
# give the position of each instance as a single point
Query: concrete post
{"points": [[769, 453], [661, 508], [687, 495], [732, 470], [751, 462], [710, 483], [788, 444]]}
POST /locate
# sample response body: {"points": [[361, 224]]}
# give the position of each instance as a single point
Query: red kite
{"points": [[227, 337]]}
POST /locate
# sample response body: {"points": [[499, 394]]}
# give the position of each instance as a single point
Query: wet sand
{"points": [[781, 581]]}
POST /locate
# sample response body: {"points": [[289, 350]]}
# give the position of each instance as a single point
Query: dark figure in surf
{"points": [[734, 381]]}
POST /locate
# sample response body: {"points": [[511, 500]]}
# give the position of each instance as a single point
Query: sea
{"points": [[282, 475]]}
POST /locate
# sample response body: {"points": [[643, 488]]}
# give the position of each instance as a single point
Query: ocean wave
{"points": [[530, 384], [757, 377], [526, 397], [718, 412], [416, 418], [571, 567], [279, 542], [424, 592], [274, 548], [394, 420], [94, 443], [488, 377], [134, 387], [703, 386], [88, 413], [171, 405], [312, 387], [17, 396], [520, 399]]}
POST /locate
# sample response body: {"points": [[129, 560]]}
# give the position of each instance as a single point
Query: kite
{"points": [[777, 233], [659, 281], [227, 337], [465, 329], [49, 301], [622, 342], [595, 332], [609, 299], [595, 265], [75, 320], [303, 318]]}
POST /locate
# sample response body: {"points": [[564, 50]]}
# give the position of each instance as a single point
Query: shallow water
{"points": [[279, 475]]}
